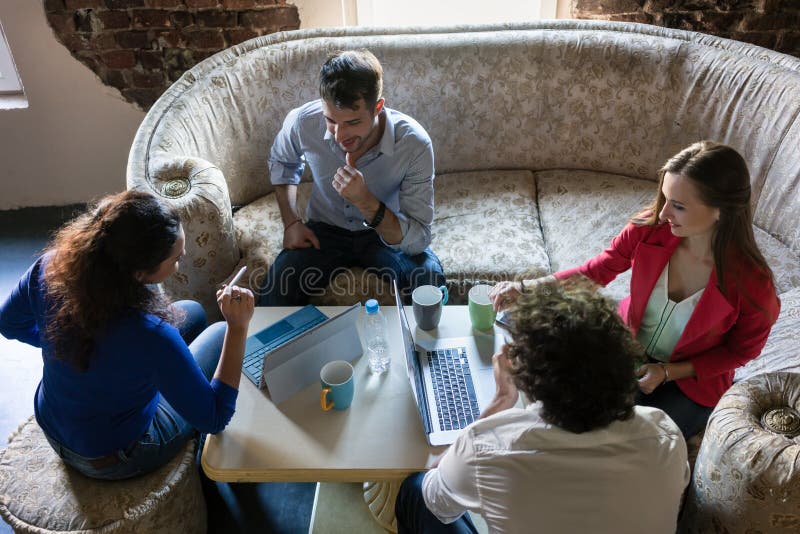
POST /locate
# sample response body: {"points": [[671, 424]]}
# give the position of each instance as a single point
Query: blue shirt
{"points": [[398, 171], [139, 358]]}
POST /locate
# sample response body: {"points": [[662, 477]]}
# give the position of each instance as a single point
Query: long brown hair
{"points": [[90, 275], [720, 175]]}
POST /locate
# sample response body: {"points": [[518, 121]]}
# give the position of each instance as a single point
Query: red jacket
{"points": [[724, 331]]}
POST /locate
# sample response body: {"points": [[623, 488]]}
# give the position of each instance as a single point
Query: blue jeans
{"points": [[168, 432], [413, 515], [690, 417], [298, 274]]}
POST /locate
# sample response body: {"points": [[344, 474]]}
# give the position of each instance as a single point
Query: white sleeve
{"points": [[452, 488]]}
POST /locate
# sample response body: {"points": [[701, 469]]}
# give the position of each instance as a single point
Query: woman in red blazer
{"points": [[702, 299]]}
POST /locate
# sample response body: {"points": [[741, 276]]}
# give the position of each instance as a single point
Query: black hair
{"points": [[572, 352], [347, 77]]}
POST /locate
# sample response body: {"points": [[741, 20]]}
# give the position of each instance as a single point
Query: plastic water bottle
{"points": [[375, 332]]}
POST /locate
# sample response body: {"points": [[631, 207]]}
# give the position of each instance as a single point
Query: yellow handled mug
{"points": [[338, 387]]}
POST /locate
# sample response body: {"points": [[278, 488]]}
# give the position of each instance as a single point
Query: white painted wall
{"points": [[325, 13], [442, 12], [71, 143]]}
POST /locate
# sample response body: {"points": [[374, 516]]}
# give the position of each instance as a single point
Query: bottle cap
{"points": [[372, 306]]}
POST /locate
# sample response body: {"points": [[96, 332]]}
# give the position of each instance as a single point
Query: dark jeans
{"points": [[168, 432], [413, 515], [690, 417], [299, 274]]}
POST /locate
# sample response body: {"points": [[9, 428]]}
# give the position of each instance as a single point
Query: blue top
{"points": [[398, 171], [108, 407]]}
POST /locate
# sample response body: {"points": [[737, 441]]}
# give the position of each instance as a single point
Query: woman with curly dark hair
{"points": [[582, 457], [128, 377], [702, 297]]}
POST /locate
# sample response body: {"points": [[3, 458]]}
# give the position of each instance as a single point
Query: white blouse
{"points": [[664, 319]]}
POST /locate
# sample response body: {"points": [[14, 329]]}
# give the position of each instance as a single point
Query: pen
{"points": [[235, 279]]}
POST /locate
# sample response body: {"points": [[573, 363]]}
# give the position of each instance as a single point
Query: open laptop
{"points": [[451, 381]]}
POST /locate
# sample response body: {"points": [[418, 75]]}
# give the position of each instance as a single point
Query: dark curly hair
{"points": [[572, 352], [91, 272]]}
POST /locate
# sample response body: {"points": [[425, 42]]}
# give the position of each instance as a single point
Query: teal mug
{"points": [[338, 386]]}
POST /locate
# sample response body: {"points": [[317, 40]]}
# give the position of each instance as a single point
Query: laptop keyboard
{"points": [[275, 335], [252, 365], [453, 389]]}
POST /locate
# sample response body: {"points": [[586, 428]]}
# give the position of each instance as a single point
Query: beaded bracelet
{"points": [[291, 223]]}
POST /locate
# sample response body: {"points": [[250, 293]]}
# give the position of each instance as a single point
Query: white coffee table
{"points": [[380, 437]]}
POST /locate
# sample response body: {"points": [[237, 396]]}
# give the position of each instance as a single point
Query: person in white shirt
{"points": [[581, 457]]}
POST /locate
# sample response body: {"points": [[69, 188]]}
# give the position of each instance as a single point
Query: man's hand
{"points": [[506, 394], [350, 184], [298, 235], [652, 375], [506, 389]]}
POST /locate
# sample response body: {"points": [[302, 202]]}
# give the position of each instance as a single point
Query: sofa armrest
{"points": [[198, 191]]}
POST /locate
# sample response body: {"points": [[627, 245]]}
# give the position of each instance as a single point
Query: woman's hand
{"points": [[651, 376], [237, 305], [504, 294]]}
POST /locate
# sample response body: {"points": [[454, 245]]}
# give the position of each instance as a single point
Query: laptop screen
{"points": [[412, 362]]}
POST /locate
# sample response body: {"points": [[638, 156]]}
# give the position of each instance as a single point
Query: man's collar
{"points": [[386, 144]]}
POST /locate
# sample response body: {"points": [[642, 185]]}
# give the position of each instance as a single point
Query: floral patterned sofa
{"points": [[547, 137]]}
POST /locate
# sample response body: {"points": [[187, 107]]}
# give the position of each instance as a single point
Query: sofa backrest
{"points": [[613, 97]]}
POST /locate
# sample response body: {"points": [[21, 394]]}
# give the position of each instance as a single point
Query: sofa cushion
{"points": [[259, 232], [581, 211], [477, 215], [784, 263], [782, 351], [486, 228]]}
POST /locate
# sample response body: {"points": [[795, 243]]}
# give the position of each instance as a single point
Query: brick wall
{"points": [[772, 24], [142, 46]]}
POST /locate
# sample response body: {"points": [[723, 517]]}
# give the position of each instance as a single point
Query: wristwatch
{"points": [[377, 219]]}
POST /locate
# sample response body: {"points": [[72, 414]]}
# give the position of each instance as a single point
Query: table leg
{"points": [[380, 497]]}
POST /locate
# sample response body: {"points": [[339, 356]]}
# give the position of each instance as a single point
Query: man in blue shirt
{"points": [[371, 203]]}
